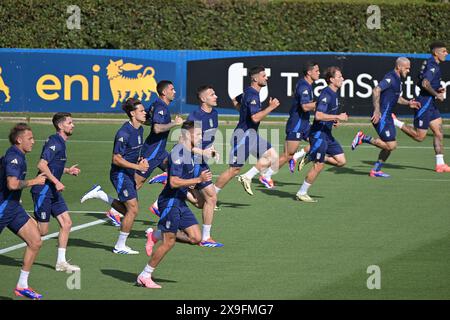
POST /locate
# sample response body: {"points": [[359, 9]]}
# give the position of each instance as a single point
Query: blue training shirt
{"points": [[54, 152], [181, 164], [209, 122], [156, 142], [432, 72], [250, 104], [298, 118], [327, 103], [13, 164], [391, 89], [128, 143]]}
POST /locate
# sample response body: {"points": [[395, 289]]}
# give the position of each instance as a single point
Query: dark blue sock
{"points": [[366, 139], [377, 166]]}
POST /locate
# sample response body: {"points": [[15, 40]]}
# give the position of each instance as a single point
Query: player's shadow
{"points": [[128, 276], [75, 242], [148, 222], [346, 170], [5, 298], [282, 183], [8, 261], [397, 166], [281, 194], [223, 204]]}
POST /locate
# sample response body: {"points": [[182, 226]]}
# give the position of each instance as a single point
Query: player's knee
{"points": [[195, 239], [43, 232], [35, 244], [391, 147], [212, 198], [67, 224], [235, 170], [341, 162]]}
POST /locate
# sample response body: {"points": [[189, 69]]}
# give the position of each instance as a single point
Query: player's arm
{"points": [[321, 116], [310, 106], [258, 116], [376, 93], [43, 167], [119, 161], [413, 104], [237, 102], [158, 127], [13, 183], [73, 170], [427, 86], [177, 182]]}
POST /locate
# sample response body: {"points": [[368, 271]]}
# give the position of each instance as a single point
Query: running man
{"points": [[126, 160], [298, 125], [385, 96], [13, 168], [428, 115], [324, 147], [176, 218], [48, 199], [246, 140]]}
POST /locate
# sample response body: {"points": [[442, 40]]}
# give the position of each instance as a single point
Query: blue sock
{"points": [[378, 166], [366, 139]]}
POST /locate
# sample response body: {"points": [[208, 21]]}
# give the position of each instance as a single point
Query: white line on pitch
{"points": [[54, 235]]}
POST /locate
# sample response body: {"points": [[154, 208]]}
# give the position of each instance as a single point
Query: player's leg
{"points": [[208, 193], [268, 165], [145, 277], [438, 143], [226, 176], [319, 146], [132, 207], [421, 124], [61, 213], [290, 148], [28, 231]]}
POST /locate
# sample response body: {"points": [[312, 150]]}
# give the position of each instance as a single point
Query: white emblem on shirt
{"points": [[139, 139], [253, 102], [388, 80], [178, 161], [211, 123], [324, 99], [125, 193], [433, 70], [15, 161], [305, 92], [161, 112], [120, 139], [53, 148]]}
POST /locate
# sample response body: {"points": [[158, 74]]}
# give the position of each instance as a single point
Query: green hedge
{"points": [[223, 25]]}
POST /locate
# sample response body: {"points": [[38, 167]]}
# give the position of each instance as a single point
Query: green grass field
{"points": [[275, 247]]}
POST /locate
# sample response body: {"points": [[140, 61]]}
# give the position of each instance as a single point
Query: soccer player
{"points": [[324, 147], [176, 217], [385, 96], [126, 160], [428, 115], [47, 198], [246, 140], [206, 118], [13, 168], [158, 116], [298, 125]]}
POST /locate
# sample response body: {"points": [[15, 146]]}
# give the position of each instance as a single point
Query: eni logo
{"points": [[49, 86], [122, 86], [4, 88]]}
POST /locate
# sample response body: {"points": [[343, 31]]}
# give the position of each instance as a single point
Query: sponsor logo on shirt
{"points": [[324, 99], [120, 139], [178, 161], [388, 80], [253, 102], [53, 148], [125, 193], [161, 112], [15, 161], [305, 92], [433, 70]]}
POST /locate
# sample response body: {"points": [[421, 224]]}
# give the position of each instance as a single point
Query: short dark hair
{"points": [[308, 66], [256, 70], [436, 45], [130, 105], [187, 125], [331, 73], [162, 85], [18, 130], [202, 89], [60, 117]]}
